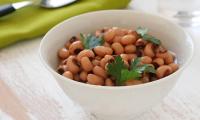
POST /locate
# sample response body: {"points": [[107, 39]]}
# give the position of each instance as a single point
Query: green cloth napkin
{"points": [[34, 21]]}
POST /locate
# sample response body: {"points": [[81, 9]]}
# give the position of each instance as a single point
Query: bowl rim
{"points": [[116, 87]]}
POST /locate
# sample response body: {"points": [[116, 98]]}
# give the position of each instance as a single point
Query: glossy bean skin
{"points": [[63, 53], [146, 60], [61, 69], [95, 62], [148, 50], [94, 79], [158, 61], [83, 76], [118, 48], [140, 42], [118, 31], [72, 65], [109, 35], [68, 74], [106, 44], [174, 66], [105, 60], [163, 71], [75, 47], [117, 39], [97, 70], [109, 82], [85, 53], [86, 64], [130, 49], [102, 51], [167, 56], [128, 39]]}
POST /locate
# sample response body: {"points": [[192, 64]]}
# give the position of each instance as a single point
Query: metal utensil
{"points": [[9, 8]]}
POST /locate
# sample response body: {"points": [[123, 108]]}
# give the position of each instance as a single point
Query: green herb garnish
{"points": [[121, 73], [90, 41], [143, 32]]}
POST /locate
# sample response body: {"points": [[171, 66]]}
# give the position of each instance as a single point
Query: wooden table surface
{"points": [[29, 92]]}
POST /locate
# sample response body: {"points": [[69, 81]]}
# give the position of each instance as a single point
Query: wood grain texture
{"points": [[29, 92]]}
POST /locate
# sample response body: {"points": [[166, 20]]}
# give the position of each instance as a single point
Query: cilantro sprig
{"points": [[90, 41], [121, 73], [143, 32]]}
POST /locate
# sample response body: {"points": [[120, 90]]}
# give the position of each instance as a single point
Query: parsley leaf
{"points": [[135, 63], [115, 69], [143, 32], [151, 39], [128, 75], [145, 68], [121, 73], [90, 41]]}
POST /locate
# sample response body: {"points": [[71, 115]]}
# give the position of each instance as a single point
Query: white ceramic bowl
{"points": [[117, 102]]}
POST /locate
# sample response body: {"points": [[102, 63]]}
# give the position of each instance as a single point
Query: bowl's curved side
{"points": [[120, 101]]}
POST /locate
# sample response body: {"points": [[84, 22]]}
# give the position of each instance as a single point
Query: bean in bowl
{"points": [[115, 57]]}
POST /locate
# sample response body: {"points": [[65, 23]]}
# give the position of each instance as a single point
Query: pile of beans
{"points": [[90, 65]]}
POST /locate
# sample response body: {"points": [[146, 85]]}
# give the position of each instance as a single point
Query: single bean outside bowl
{"points": [[124, 102]]}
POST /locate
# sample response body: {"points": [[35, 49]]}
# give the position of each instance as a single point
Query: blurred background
{"points": [[184, 12]]}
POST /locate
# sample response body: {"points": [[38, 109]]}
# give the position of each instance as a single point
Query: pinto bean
{"points": [[85, 53], [117, 39], [95, 62], [94, 79], [97, 70], [133, 82], [163, 71], [76, 47], [118, 48], [141, 42], [102, 51], [174, 67], [68, 74], [109, 82], [128, 39], [109, 35], [118, 31], [167, 56], [86, 64], [106, 44], [83, 76], [76, 77], [130, 49], [105, 60], [63, 53], [146, 60], [72, 65], [61, 69], [158, 62], [148, 50]]}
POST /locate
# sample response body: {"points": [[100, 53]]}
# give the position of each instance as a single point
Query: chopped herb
{"points": [[121, 73], [143, 32], [115, 69], [151, 39], [90, 41]]}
